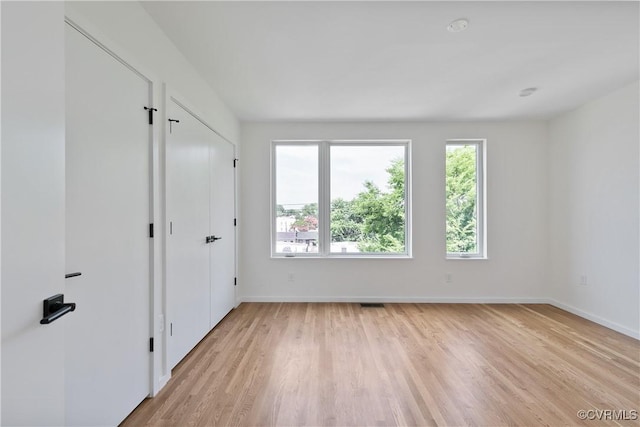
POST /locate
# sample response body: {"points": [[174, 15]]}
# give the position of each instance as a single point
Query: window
{"points": [[340, 198], [296, 212], [465, 199]]}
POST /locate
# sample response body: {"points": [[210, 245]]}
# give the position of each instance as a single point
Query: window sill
{"points": [[466, 258], [341, 256]]}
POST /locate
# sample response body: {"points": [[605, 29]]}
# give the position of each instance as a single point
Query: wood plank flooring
{"points": [[404, 364]]}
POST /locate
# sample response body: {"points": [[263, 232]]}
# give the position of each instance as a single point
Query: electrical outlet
{"points": [[448, 278], [583, 280]]}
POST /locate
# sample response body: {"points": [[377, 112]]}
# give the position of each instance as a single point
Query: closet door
{"points": [[222, 227], [107, 361], [188, 290]]}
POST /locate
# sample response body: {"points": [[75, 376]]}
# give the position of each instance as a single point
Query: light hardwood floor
{"points": [[404, 364]]}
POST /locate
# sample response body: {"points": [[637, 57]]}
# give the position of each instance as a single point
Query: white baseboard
{"points": [[596, 319], [453, 300]]}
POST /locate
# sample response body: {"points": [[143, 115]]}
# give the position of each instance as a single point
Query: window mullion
{"points": [[274, 183], [482, 199], [407, 201], [324, 196]]}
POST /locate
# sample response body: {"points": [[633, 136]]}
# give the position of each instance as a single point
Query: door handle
{"points": [[211, 239], [54, 308]]}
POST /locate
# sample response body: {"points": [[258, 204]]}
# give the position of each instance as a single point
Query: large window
{"points": [[340, 198], [465, 199]]}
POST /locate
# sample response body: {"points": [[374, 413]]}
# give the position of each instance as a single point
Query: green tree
{"points": [[346, 226], [383, 213], [308, 223], [307, 217], [310, 209], [281, 211], [461, 199]]}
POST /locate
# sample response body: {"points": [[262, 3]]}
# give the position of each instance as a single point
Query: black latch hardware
{"points": [[54, 307], [150, 110], [171, 122], [151, 344], [151, 230], [211, 239], [70, 275]]}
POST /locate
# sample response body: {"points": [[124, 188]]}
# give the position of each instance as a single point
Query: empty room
{"points": [[320, 213]]}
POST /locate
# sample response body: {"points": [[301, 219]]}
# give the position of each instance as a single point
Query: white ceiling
{"points": [[377, 60]]}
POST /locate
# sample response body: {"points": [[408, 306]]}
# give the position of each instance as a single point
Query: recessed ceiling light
{"points": [[528, 91], [458, 25]]}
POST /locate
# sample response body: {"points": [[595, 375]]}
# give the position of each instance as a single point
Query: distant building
{"points": [[284, 223]]}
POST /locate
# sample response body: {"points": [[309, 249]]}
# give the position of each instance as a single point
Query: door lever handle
{"points": [[214, 238], [54, 308]]}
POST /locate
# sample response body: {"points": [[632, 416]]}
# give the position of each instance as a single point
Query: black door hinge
{"points": [[150, 110], [235, 222], [151, 344], [234, 162], [235, 281], [151, 230]]}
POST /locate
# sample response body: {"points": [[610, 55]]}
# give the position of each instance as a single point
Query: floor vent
{"points": [[371, 304]]}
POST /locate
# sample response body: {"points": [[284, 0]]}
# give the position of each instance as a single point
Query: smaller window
{"points": [[465, 223]]}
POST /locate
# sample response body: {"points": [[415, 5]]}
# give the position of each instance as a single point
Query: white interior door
{"points": [[187, 274], [222, 226], [107, 364]]}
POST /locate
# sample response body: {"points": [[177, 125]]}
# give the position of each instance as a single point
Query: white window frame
{"points": [[324, 198], [481, 197]]}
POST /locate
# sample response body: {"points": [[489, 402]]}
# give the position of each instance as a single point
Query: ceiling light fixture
{"points": [[528, 91], [458, 25]]}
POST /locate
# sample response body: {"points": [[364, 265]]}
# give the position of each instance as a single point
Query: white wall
{"points": [[594, 213], [517, 220], [32, 211]]}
